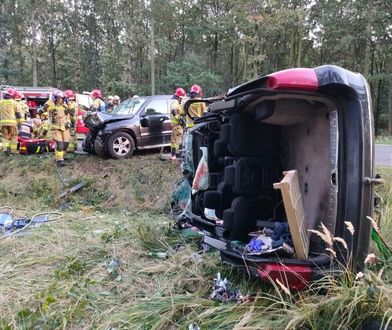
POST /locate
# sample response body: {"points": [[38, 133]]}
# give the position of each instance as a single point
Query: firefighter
{"points": [[116, 102], [22, 108], [109, 104], [98, 103], [60, 125], [176, 119], [73, 114], [42, 131], [195, 109], [9, 114]]}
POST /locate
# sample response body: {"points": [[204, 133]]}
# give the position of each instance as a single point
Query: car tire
{"points": [[88, 143], [121, 145]]}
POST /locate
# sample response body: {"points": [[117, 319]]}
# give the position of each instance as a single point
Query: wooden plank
{"points": [[292, 200]]}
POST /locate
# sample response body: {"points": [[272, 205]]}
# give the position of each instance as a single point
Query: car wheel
{"points": [[121, 145]]}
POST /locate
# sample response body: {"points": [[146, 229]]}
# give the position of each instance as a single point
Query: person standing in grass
{"points": [[9, 114], [60, 125], [176, 115]]}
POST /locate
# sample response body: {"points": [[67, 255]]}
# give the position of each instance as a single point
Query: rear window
{"points": [[129, 107]]}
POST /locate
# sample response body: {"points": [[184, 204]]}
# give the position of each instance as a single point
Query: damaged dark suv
{"points": [[314, 125], [137, 123]]}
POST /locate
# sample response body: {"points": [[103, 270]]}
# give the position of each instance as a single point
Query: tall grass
{"points": [[63, 274]]}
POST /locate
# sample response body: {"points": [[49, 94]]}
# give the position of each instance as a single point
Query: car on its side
{"points": [[137, 123], [317, 123]]}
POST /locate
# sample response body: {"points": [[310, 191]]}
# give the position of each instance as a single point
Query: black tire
{"points": [[99, 147], [121, 145], [88, 143]]}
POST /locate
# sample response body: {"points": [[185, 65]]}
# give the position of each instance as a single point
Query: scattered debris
{"points": [[223, 293], [193, 326], [160, 255], [71, 190], [13, 227], [113, 269]]}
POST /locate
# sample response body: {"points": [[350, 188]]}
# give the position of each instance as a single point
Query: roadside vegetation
{"points": [[98, 267], [384, 138]]}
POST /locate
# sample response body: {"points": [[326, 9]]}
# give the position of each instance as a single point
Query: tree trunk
{"points": [[152, 56], [34, 43], [53, 58], [390, 107]]}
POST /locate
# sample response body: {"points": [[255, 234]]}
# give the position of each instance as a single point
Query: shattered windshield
{"points": [[129, 107]]}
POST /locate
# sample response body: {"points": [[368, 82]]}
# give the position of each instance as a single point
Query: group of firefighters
{"points": [[180, 120], [56, 120]]}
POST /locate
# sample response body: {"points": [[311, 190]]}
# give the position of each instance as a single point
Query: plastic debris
{"points": [[160, 255], [113, 269], [223, 293], [193, 326], [200, 182]]}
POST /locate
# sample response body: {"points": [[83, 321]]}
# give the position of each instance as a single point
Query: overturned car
{"points": [[275, 164]]}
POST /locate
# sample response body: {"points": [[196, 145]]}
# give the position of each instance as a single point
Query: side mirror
{"points": [[143, 122]]}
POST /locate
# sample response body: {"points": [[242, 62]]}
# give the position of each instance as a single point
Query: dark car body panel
{"points": [[154, 110]]}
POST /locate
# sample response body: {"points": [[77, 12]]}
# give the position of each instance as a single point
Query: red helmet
{"points": [[196, 89], [69, 94], [11, 92], [180, 92], [96, 93], [18, 96]]}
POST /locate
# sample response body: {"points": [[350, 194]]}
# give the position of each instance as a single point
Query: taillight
{"points": [[299, 79], [295, 277]]}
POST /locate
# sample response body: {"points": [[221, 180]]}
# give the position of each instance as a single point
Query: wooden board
{"points": [[292, 200]]}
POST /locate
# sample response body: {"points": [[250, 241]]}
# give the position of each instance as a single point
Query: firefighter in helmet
{"points": [[60, 125], [196, 109], [98, 103], [23, 108], [9, 114], [176, 119], [73, 114]]}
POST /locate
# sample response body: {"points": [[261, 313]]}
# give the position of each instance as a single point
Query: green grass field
{"points": [[92, 269]]}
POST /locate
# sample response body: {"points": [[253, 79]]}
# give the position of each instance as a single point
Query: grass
{"points": [[384, 138], [92, 268]]}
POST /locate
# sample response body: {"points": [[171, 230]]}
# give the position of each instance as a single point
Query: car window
{"points": [[129, 107], [157, 107]]}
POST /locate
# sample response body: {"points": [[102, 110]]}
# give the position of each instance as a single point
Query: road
{"points": [[383, 155]]}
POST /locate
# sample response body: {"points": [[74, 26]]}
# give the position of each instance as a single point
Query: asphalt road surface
{"points": [[383, 155]]}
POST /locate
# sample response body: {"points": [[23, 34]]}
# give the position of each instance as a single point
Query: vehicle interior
{"points": [[249, 148]]}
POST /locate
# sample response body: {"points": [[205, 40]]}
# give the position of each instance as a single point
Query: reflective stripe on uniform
{"points": [[7, 122]]}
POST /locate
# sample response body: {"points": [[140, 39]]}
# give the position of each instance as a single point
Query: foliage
{"points": [[217, 44]]}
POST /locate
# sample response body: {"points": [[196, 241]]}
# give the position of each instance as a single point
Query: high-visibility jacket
{"points": [[58, 115], [73, 111], [98, 105], [195, 110], [176, 111], [8, 110]]}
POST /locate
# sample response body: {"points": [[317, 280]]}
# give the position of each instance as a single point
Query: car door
{"points": [[155, 122]]}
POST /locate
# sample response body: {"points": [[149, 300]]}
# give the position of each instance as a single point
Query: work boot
{"points": [[61, 163]]}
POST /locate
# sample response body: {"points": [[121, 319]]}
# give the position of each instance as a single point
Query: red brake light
{"points": [[301, 79], [293, 276]]}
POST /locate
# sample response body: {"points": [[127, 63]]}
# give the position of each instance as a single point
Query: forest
{"points": [[144, 47]]}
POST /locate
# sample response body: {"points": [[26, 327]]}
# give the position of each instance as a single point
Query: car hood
{"points": [[98, 119]]}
